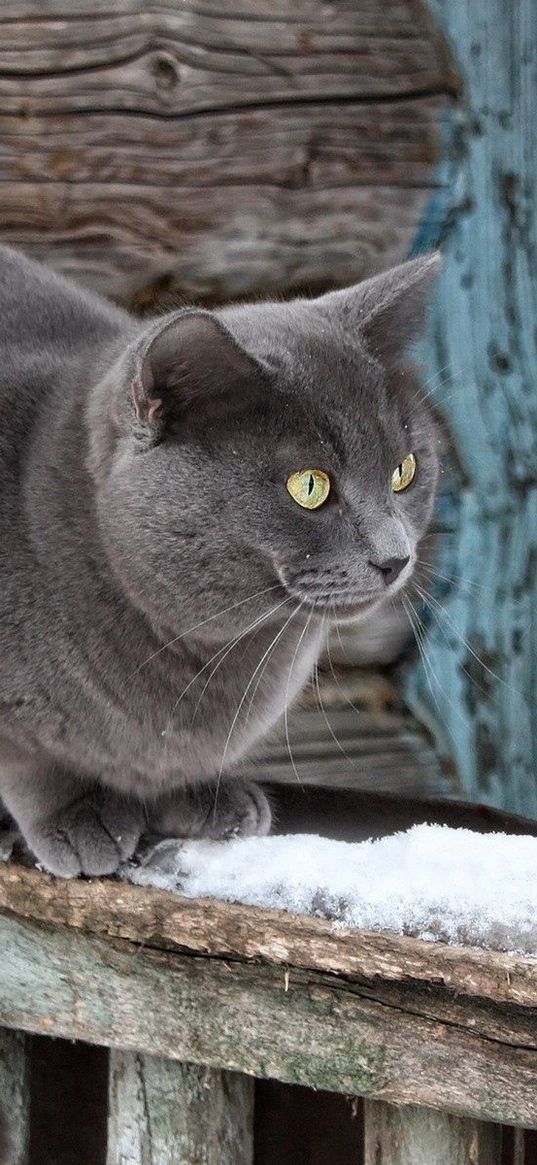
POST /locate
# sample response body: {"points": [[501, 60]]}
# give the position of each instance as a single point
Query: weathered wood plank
{"points": [[384, 1040], [484, 340], [322, 145], [15, 1096], [420, 1136], [217, 242], [158, 919], [299, 141], [172, 58], [177, 1114]]}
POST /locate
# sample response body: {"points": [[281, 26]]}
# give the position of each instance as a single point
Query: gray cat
{"points": [[185, 503]]}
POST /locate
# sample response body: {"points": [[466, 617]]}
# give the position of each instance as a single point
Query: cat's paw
{"points": [[235, 809], [92, 836]]}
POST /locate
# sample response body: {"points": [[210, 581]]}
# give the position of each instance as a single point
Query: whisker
{"points": [[434, 384], [429, 671], [338, 633], [335, 678], [225, 650], [203, 623], [325, 717], [442, 613], [456, 579], [243, 697], [286, 699]]}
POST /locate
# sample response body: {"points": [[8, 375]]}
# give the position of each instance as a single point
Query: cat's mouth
{"points": [[342, 611]]}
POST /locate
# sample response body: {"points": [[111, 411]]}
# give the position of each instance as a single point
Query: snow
{"points": [[433, 882]]}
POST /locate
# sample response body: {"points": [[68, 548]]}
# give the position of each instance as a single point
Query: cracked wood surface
{"points": [[180, 147], [238, 988], [419, 1136], [14, 1097], [177, 1114]]}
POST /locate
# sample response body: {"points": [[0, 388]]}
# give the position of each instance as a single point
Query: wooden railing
{"points": [[196, 998]]}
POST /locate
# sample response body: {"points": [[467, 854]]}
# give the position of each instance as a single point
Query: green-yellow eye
{"points": [[404, 475], [310, 488]]}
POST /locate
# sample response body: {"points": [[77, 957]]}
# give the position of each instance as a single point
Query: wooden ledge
{"points": [[270, 994], [164, 921]]}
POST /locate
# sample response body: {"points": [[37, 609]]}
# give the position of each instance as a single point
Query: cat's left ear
{"points": [[390, 309], [191, 365]]}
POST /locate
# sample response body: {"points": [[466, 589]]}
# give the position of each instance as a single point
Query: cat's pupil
{"points": [[311, 484]]}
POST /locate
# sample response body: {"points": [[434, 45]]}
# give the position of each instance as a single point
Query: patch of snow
{"points": [[432, 882]]}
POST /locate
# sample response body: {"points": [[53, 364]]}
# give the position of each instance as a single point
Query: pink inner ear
{"points": [[154, 412]]}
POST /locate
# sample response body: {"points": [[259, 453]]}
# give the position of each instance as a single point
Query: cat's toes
{"points": [[93, 836], [234, 809], [239, 810]]}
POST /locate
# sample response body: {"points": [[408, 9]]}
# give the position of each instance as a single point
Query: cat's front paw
{"points": [[92, 836], [234, 809]]}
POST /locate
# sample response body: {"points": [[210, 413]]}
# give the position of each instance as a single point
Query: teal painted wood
{"points": [[15, 1093], [483, 343]]}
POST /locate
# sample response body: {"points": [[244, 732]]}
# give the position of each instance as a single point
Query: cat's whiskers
{"points": [[322, 709], [418, 631], [229, 646], [338, 633], [268, 651], [441, 612], [224, 652], [203, 623], [434, 384], [287, 694], [331, 665], [456, 579]]}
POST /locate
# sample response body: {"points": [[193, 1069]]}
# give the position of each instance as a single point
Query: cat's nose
{"points": [[391, 568]]}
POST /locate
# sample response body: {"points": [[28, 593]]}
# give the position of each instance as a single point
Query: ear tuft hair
{"points": [[389, 309]]}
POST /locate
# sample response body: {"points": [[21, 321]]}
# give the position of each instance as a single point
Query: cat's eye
{"points": [[405, 473], [309, 488]]}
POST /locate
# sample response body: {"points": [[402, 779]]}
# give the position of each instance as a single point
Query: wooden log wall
{"points": [[217, 150], [482, 656]]}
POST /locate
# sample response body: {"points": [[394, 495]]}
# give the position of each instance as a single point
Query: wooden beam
{"points": [[420, 1136], [177, 1114], [206, 926], [15, 1095], [400, 1042]]}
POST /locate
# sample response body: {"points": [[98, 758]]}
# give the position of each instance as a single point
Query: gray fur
{"points": [[142, 484]]}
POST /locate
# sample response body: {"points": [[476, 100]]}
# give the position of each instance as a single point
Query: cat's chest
{"points": [[186, 717]]}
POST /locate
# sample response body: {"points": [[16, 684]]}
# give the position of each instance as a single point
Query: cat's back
{"points": [[45, 322], [38, 306]]}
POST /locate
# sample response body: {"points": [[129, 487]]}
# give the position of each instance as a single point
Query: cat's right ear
{"points": [[191, 365]]}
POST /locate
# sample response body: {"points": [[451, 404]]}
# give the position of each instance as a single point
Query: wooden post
{"points": [[15, 1094], [423, 1136], [484, 344], [177, 1114]]}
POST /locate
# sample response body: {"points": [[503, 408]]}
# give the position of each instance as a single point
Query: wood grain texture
{"points": [[176, 148], [420, 1136], [14, 1097], [177, 1114], [484, 340], [394, 1041]]}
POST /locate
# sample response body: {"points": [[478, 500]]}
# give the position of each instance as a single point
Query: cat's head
{"points": [[278, 450]]}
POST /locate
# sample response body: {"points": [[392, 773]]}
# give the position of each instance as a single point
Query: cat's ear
{"points": [[389, 310], [191, 364]]}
